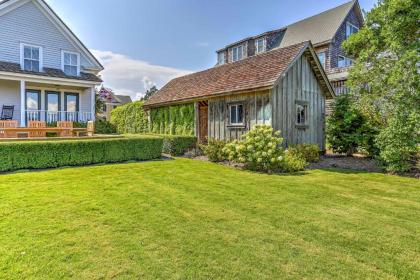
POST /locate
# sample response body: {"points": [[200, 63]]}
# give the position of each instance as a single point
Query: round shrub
{"points": [[214, 150], [259, 149], [293, 162], [310, 152]]}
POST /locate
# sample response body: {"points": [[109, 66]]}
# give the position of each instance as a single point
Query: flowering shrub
{"points": [[310, 152], [259, 149], [293, 162], [214, 150]]}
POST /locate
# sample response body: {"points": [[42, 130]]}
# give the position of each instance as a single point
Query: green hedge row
{"points": [[173, 120], [130, 118], [50, 154], [178, 145]]}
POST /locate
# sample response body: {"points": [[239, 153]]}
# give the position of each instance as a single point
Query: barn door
{"points": [[203, 117]]}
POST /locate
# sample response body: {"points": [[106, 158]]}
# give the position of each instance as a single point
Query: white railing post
{"points": [[22, 103], [93, 102]]}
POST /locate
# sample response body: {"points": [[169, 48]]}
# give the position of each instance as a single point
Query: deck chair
{"points": [[37, 124], [7, 112], [8, 124], [65, 124]]}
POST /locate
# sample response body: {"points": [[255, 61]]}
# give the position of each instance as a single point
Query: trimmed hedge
{"points": [[130, 118], [178, 145], [51, 154], [104, 127]]}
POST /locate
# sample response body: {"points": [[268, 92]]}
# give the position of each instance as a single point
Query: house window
{"points": [[236, 114], [260, 46], [350, 29], [344, 61], [321, 57], [31, 58], [71, 106], [301, 114], [221, 58], [237, 53], [71, 62]]}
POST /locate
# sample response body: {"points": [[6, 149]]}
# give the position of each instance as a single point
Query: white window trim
{"points": [[237, 111], [351, 24], [22, 56], [264, 45], [219, 55], [242, 52], [78, 60]]}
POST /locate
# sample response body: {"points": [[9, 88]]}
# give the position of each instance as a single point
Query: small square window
{"points": [[301, 114], [236, 114]]}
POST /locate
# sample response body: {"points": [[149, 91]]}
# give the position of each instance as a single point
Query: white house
{"points": [[46, 72]]}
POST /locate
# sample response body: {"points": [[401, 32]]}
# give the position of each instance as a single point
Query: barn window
{"points": [[301, 113], [236, 116]]}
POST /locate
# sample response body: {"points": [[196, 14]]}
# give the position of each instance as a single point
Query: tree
{"points": [[385, 77], [348, 130], [99, 104], [149, 93]]}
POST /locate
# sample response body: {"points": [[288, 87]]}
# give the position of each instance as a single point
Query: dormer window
{"points": [[221, 58], [31, 58], [71, 63], [350, 29], [260, 46], [237, 53]]}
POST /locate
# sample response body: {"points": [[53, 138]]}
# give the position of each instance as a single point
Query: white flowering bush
{"points": [[259, 149]]}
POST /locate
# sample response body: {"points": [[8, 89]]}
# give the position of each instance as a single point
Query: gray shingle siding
{"points": [[336, 45], [274, 40], [27, 24]]}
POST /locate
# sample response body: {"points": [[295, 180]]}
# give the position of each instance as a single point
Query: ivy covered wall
{"points": [[174, 120]]}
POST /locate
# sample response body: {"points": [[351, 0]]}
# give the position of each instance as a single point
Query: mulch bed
{"points": [[356, 163]]}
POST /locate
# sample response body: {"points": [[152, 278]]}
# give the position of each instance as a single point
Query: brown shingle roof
{"points": [[251, 73], [48, 72]]}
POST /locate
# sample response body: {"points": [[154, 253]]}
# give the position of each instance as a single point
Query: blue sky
{"points": [[161, 39]]}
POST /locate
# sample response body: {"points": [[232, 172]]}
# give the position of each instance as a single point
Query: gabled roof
{"points": [[10, 5], [253, 73], [124, 99], [320, 28]]}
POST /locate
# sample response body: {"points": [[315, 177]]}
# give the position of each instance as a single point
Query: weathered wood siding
{"points": [[257, 109], [299, 84]]}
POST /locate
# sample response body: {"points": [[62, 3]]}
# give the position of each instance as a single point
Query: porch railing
{"points": [[55, 116]]}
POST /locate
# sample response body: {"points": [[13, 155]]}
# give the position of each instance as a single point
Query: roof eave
{"points": [[207, 96]]}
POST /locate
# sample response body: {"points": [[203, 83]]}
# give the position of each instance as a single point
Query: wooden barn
{"points": [[285, 88]]}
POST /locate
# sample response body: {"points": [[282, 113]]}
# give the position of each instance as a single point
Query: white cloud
{"points": [[202, 44], [132, 77]]}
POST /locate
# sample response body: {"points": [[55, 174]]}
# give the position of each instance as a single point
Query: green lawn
{"points": [[185, 219]]}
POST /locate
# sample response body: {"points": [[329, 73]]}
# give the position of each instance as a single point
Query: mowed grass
{"points": [[186, 219]]}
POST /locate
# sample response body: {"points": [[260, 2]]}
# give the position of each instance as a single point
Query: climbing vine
{"points": [[173, 120]]}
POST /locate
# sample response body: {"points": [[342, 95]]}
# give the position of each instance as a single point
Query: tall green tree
{"points": [[149, 93], [385, 77]]}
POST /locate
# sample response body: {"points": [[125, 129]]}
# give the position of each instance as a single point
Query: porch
{"points": [[48, 101]]}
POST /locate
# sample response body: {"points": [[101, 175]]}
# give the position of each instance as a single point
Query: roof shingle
{"points": [[251, 73], [319, 28], [48, 72]]}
